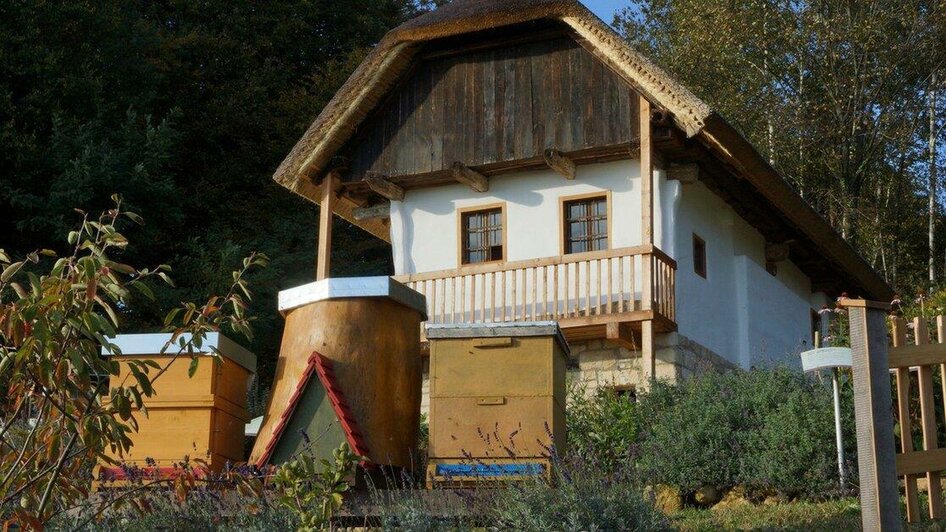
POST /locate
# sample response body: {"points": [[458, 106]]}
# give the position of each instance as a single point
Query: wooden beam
{"points": [[326, 208], [648, 356], [623, 151], [777, 252], [469, 177], [647, 175], [684, 173], [557, 161], [621, 334], [876, 458], [376, 212], [380, 185]]}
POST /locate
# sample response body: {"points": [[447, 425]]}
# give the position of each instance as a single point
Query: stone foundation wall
{"points": [[598, 364], [601, 364]]}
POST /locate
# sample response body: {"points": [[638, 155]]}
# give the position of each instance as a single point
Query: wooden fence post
{"points": [[880, 495]]}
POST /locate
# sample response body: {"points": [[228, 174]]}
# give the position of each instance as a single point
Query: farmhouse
{"points": [[526, 164]]}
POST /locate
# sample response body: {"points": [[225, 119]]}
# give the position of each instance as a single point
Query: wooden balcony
{"points": [[602, 294]]}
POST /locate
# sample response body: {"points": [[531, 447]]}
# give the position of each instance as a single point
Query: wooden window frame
{"points": [[478, 208], [700, 262], [563, 218]]}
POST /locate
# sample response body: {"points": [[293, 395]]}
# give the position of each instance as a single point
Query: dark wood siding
{"points": [[494, 105]]}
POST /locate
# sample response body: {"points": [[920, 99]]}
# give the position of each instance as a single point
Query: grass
{"points": [[835, 515], [842, 514]]}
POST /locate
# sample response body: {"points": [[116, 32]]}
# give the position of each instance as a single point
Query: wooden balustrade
{"points": [[554, 288]]}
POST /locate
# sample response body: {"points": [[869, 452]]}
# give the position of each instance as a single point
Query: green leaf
{"points": [[192, 369], [10, 271]]}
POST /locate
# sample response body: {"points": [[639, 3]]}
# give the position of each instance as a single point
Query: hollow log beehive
{"points": [[349, 369], [497, 400]]}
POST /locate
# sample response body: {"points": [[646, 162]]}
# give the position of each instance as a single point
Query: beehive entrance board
{"points": [[497, 399]]}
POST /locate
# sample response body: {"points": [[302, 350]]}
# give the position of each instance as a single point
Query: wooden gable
{"points": [[495, 104]]}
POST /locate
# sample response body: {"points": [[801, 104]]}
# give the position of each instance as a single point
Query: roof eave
{"points": [[730, 144]]}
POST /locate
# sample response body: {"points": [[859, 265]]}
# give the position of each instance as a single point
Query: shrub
{"points": [[580, 498], [602, 428], [56, 314], [793, 451], [770, 430], [690, 440], [204, 509]]}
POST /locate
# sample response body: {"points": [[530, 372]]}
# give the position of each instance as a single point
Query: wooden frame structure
{"points": [[501, 205], [563, 216], [879, 463], [923, 357], [592, 295]]}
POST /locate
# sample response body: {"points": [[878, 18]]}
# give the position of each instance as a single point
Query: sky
{"points": [[605, 8]]}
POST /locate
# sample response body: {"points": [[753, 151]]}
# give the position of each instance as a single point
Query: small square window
{"points": [[586, 225], [699, 256], [482, 234]]}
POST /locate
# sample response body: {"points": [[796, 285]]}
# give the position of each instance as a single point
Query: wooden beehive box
{"points": [[497, 400], [201, 417]]}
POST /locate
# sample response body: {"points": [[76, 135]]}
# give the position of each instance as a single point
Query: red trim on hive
{"points": [[323, 367], [342, 411], [287, 412]]}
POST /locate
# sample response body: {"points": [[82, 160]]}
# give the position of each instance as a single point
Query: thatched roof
{"points": [[384, 65], [391, 58]]}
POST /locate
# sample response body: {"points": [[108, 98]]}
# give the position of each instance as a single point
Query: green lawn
{"points": [[839, 515]]}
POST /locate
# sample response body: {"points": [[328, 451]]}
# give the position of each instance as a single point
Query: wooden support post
{"points": [[326, 208], [469, 177], [648, 359], [880, 495], [647, 174], [383, 187], [557, 161]]}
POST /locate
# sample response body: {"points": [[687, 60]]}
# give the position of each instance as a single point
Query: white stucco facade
{"points": [[739, 311]]}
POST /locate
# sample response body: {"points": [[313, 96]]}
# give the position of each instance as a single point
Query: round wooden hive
{"points": [[369, 329]]}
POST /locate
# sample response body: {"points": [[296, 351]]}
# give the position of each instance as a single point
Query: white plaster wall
{"points": [[424, 225], [739, 310]]}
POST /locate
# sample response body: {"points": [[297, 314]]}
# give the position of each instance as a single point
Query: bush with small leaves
{"points": [[580, 497], [56, 316], [312, 488], [603, 428]]}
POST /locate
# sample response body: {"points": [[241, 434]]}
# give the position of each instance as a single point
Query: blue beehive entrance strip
{"points": [[489, 470]]}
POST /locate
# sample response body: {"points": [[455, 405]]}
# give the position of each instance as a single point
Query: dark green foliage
{"points": [[602, 428], [582, 499], [770, 430], [185, 109]]}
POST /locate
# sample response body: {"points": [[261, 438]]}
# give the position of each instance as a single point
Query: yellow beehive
{"points": [[202, 417], [497, 400]]}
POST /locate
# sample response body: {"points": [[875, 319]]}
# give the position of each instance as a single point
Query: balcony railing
{"points": [[571, 288]]}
